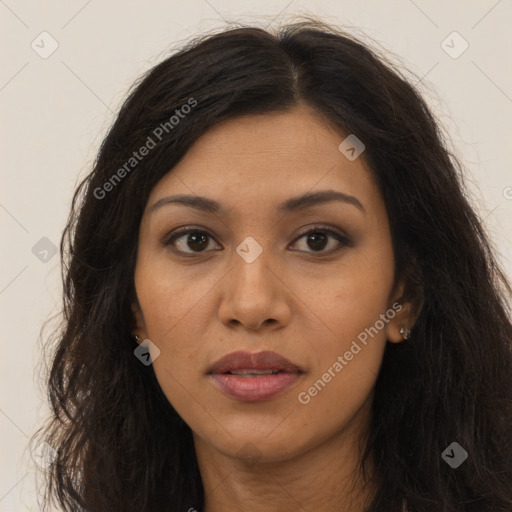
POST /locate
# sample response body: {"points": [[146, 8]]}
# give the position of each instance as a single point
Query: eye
{"points": [[317, 239], [194, 239]]}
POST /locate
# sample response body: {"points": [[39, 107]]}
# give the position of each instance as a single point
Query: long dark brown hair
{"points": [[120, 444]]}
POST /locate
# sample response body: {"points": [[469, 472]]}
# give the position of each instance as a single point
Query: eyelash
{"points": [[340, 237]]}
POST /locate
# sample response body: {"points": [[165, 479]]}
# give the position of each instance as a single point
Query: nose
{"points": [[254, 295]]}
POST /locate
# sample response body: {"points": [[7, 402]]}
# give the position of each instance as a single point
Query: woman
{"points": [[277, 296]]}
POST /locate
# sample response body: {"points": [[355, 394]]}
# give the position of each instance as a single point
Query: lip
{"points": [[254, 388], [241, 360]]}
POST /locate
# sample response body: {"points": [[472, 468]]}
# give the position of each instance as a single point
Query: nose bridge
{"points": [[252, 292], [252, 267]]}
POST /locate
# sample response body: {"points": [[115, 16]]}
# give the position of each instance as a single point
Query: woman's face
{"points": [[249, 278]]}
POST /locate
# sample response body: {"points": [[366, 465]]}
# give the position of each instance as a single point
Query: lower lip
{"points": [[254, 389]]}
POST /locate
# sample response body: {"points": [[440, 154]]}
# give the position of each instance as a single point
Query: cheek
{"points": [[170, 297], [175, 307], [354, 309], [357, 293], [170, 306]]}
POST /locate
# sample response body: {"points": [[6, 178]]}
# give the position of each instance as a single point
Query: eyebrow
{"points": [[293, 204]]}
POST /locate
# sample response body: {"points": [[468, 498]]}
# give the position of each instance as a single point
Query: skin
{"points": [[299, 299]]}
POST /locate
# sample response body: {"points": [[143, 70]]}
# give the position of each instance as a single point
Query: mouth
{"points": [[254, 377], [252, 372]]}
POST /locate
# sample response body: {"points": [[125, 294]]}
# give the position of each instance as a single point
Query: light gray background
{"points": [[55, 112]]}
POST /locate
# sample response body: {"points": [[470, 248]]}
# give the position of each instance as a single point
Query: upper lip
{"points": [[266, 360]]}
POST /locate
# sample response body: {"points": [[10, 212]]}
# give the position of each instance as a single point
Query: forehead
{"points": [[275, 139], [266, 159]]}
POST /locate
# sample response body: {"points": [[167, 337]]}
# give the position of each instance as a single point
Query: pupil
{"points": [[200, 239], [317, 238]]}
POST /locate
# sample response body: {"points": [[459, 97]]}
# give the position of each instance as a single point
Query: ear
{"points": [[406, 312], [140, 325]]}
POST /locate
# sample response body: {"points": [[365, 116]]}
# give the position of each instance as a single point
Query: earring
{"points": [[137, 337], [405, 334]]}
